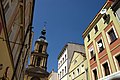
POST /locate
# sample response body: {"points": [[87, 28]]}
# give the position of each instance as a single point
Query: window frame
{"points": [[91, 49], [93, 73], [98, 46], [88, 37], [108, 38], [115, 61], [117, 15], [103, 72]]}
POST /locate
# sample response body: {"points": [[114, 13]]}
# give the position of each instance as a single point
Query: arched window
{"points": [[40, 48], [38, 61]]}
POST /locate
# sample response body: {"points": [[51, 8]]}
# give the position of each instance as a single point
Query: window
{"points": [[118, 14], [106, 18], [111, 35], [78, 70], [63, 59], [95, 74], [62, 72], [65, 69], [91, 51], [88, 37], [40, 48], [117, 58], [65, 56], [38, 61], [100, 45], [96, 29], [106, 69], [73, 75]]}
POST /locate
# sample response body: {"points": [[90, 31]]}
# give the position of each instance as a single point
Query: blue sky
{"points": [[66, 21]]}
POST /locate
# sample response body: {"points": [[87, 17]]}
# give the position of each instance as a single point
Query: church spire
{"points": [[43, 33]]}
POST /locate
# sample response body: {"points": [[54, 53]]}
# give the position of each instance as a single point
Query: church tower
{"points": [[37, 70]]}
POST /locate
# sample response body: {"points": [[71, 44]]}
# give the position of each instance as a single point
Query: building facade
{"points": [[37, 70], [64, 59], [15, 37], [102, 43], [78, 67], [53, 75]]}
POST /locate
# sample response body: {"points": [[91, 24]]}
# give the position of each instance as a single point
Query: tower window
{"points": [[38, 61], [106, 69], [40, 48], [95, 74]]}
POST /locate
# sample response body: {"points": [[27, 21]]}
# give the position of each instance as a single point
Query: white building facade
{"points": [[64, 59]]}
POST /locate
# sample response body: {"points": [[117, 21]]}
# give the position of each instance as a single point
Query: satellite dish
{"points": [[100, 45], [103, 11]]}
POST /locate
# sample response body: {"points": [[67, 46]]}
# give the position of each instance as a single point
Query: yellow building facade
{"points": [[102, 43], [15, 37], [78, 67]]}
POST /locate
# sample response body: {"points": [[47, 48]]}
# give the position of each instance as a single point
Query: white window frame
{"points": [[108, 38], [116, 64], [103, 72], [90, 49], [97, 44], [93, 73]]}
